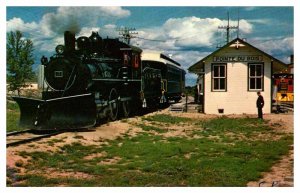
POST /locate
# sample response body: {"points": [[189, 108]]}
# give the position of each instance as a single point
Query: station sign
{"points": [[242, 58]]}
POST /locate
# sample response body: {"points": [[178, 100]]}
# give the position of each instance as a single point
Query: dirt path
{"points": [[281, 173], [100, 136]]}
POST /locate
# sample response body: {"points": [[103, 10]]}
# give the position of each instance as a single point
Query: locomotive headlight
{"points": [[60, 49]]}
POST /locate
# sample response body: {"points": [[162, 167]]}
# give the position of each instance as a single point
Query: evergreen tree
{"points": [[19, 60]]}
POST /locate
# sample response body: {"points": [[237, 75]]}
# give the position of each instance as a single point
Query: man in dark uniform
{"points": [[260, 104]]}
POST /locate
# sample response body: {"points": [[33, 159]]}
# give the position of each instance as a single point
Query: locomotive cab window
{"points": [[255, 77], [219, 77]]}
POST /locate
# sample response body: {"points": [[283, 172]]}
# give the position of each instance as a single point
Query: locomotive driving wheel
{"points": [[113, 104]]}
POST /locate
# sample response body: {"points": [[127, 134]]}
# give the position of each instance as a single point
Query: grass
{"points": [[51, 142], [152, 128], [12, 117], [163, 118], [245, 126], [154, 160]]}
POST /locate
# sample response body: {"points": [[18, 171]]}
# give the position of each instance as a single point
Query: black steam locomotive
{"points": [[90, 78]]}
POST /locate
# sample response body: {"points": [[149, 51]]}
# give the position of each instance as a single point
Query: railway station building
{"points": [[230, 77]]}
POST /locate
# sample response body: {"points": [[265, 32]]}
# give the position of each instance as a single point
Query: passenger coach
{"points": [[173, 75]]}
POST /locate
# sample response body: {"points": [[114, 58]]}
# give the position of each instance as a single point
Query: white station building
{"points": [[230, 77]]}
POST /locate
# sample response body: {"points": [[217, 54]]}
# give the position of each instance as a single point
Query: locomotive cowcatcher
{"points": [[90, 78]]}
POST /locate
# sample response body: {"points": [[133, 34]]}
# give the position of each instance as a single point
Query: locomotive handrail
{"points": [[73, 96], [60, 98], [67, 84], [105, 59]]}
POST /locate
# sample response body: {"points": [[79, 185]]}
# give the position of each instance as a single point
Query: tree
{"points": [[19, 60]]}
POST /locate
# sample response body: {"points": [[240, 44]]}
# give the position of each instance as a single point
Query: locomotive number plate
{"points": [[58, 74]]}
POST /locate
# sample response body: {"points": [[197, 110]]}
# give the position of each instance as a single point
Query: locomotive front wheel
{"points": [[126, 108], [113, 105]]}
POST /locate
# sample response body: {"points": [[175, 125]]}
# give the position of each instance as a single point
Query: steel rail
{"points": [[22, 141], [18, 132]]}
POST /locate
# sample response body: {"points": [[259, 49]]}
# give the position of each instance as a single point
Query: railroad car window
{"points": [[255, 77], [219, 77], [136, 61]]}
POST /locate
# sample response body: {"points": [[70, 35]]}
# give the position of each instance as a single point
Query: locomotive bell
{"points": [[83, 43], [44, 60], [96, 42]]}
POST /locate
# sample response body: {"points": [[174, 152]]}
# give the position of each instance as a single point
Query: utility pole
{"points": [[127, 34], [238, 26], [228, 28]]}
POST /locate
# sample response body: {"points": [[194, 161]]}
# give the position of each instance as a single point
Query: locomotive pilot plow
{"points": [[78, 111]]}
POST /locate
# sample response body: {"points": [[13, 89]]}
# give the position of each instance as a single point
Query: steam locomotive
{"points": [[90, 78]]}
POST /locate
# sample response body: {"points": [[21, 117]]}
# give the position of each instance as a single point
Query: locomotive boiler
{"points": [[89, 79]]}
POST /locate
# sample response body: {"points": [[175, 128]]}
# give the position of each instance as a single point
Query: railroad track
{"points": [[26, 136], [16, 138]]}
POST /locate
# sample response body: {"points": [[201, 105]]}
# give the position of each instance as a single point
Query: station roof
{"points": [[277, 64]]}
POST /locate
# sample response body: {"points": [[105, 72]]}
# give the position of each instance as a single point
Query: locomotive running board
{"points": [[78, 111]]}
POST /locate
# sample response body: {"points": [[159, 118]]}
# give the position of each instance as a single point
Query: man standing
{"points": [[260, 104]]}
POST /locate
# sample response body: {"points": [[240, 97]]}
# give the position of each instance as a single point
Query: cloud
{"points": [[32, 30], [69, 18], [48, 32], [260, 21], [18, 24], [109, 30], [110, 26], [245, 26], [74, 18], [86, 31], [249, 8], [274, 45], [281, 47], [192, 31], [187, 58], [186, 32]]}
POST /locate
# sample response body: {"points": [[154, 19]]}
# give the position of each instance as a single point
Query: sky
{"points": [[187, 34]]}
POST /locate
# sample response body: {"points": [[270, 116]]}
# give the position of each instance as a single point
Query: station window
{"points": [[255, 77], [219, 77]]}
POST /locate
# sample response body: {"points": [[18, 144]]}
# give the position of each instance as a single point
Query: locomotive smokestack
{"points": [[69, 41]]}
